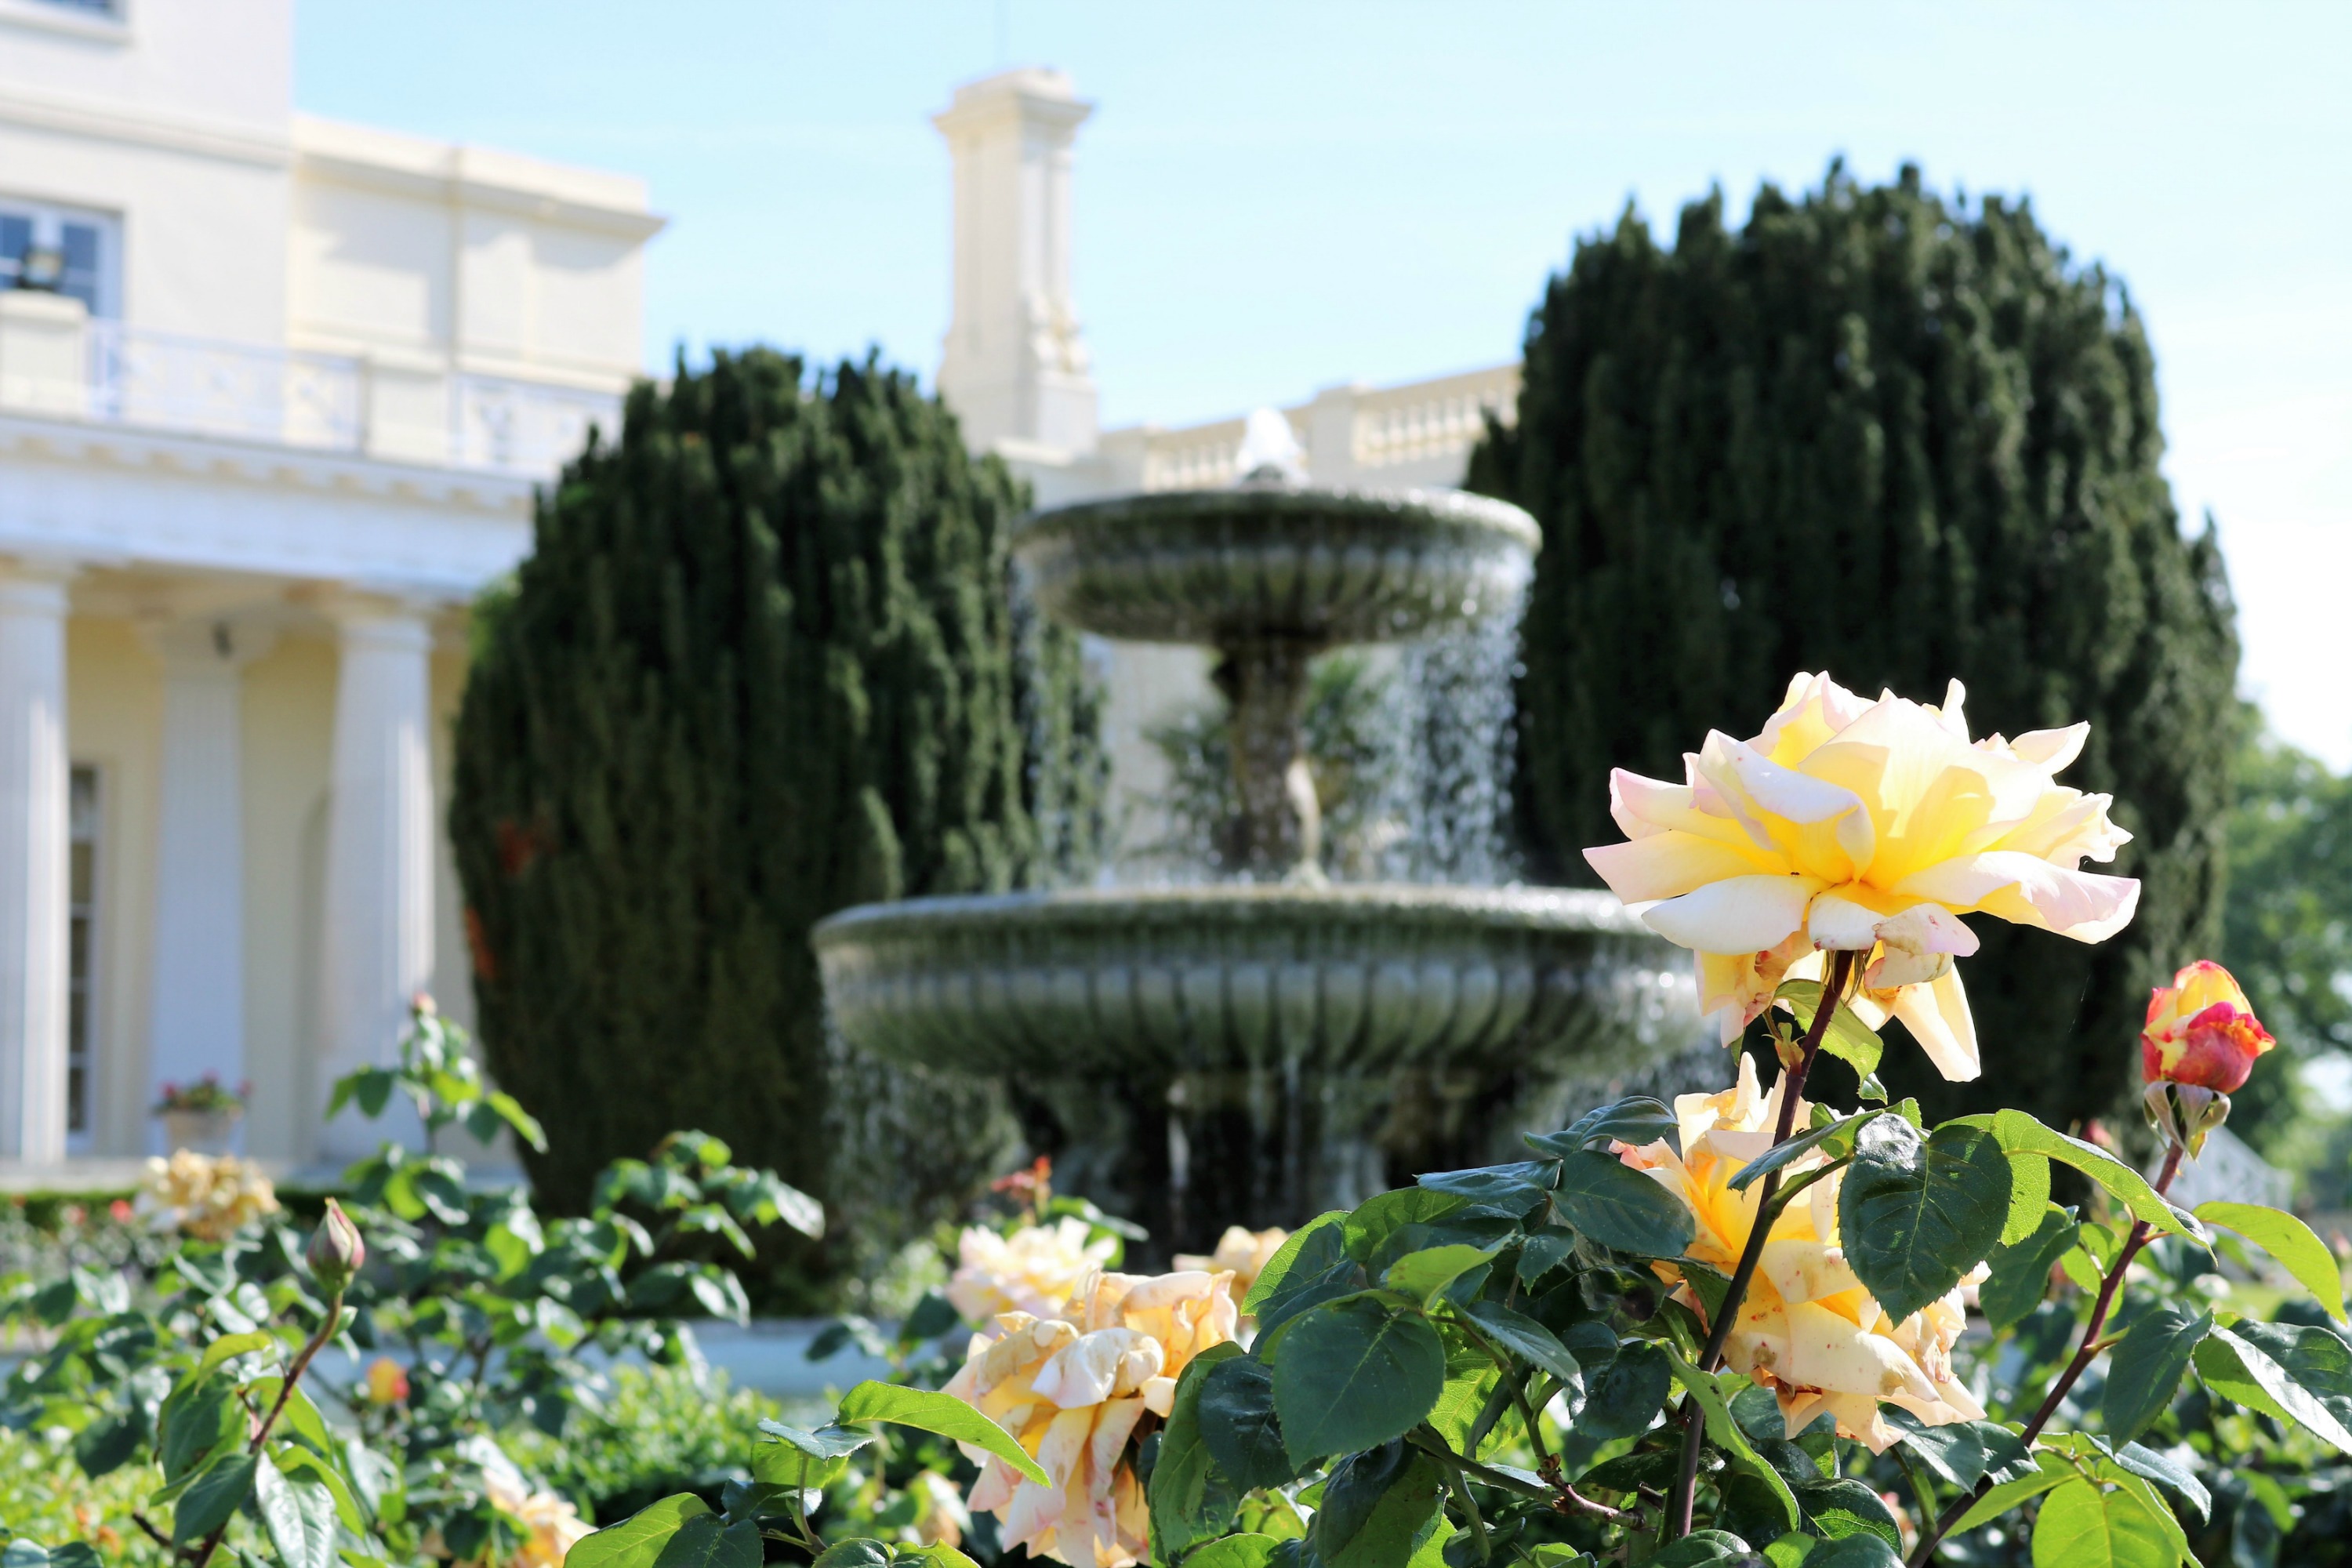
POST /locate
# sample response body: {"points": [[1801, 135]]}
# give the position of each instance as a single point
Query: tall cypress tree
{"points": [[762, 664], [1901, 439]]}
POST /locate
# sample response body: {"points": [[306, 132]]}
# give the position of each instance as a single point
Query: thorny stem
{"points": [[1792, 1084], [2084, 1356], [317, 1342]]}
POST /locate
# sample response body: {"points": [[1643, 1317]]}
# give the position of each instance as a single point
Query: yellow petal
{"points": [[1938, 1016], [1668, 865], [2028, 890]]}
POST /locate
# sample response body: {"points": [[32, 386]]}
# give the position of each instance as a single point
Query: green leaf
{"points": [[1375, 1507], [2009, 1494], [941, 1413], [2289, 1240], [1530, 1341], [1702, 1548], [218, 1491], [227, 1347], [1637, 1120], [2080, 1527], [1917, 1216], [2017, 1132], [2288, 1372], [1840, 1508], [1620, 1207], [1865, 1551], [637, 1540], [1724, 1432], [862, 1553], [1959, 1451], [107, 1444], [301, 1463], [1234, 1551], [2168, 1473], [2020, 1271], [1376, 1219], [198, 1421], [1833, 1139], [1239, 1424], [1351, 1375], [1421, 1275], [1628, 1395], [1324, 1234], [1850, 1039], [1191, 1499], [526, 1126], [1513, 1187], [2145, 1367], [299, 1416], [300, 1514], [824, 1443], [707, 1541], [2028, 1197]]}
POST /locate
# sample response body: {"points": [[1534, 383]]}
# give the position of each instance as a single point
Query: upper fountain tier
{"points": [[1270, 560]]}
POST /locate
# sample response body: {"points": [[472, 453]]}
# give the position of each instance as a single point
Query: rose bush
{"points": [[1718, 1332]]}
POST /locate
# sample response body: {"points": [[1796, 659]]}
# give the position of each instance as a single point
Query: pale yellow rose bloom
{"points": [[1241, 1252], [1867, 827], [209, 1196], [1032, 1270], [1071, 1390], [554, 1525], [1807, 1330]]}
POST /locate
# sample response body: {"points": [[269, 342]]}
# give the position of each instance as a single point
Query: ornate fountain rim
{"points": [[1236, 905], [1272, 507]]}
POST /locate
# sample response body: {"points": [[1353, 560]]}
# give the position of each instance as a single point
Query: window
{"points": [[81, 946], [82, 242]]}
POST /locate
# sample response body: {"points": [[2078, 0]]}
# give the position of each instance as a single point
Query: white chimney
{"points": [[1014, 365]]}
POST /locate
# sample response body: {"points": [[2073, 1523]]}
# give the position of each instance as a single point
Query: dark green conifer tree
{"points": [[1902, 440], [762, 664]]}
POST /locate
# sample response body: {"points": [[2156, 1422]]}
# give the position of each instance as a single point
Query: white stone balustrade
{"points": [[1419, 434], [56, 360]]}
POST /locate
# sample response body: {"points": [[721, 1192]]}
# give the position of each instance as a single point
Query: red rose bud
{"points": [[2202, 1030], [336, 1249]]}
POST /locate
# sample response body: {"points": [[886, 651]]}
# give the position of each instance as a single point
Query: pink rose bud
{"points": [[336, 1249], [2202, 1030]]}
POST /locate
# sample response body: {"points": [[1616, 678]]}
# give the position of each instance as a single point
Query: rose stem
{"points": [[1792, 1084], [2084, 1356]]}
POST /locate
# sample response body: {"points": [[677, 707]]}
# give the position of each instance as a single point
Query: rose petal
{"points": [[1938, 1016], [2030, 891], [1669, 864], [1736, 914]]}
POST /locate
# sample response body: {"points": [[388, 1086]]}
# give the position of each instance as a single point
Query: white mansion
{"points": [[274, 393]]}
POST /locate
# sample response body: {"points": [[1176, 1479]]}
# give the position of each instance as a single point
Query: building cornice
{"points": [[225, 458], [180, 503], [197, 138], [483, 178]]}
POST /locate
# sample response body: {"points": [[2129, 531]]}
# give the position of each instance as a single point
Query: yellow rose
{"points": [[1867, 827], [1071, 1390], [207, 1197], [1243, 1253], [1808, 1330], [1032, 1270], [554, 1525]]}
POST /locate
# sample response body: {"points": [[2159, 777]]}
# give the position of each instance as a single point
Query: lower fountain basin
{"points": [[1352, 979]]}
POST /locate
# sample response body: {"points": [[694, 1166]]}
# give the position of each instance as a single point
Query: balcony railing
{"points": [[55, 360]]}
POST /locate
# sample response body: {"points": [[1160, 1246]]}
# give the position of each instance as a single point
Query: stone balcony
{"points": [[57, 361]]}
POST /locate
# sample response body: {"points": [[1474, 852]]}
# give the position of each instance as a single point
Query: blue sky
{"points": [[1272, 198]]}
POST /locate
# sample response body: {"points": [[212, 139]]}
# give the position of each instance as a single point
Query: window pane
{"points": [[16, 238], [83, 861], [81, 274]]}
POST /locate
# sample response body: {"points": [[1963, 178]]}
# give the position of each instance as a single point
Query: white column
{"points": [[378, 949], [197, 1022], [1014, 365], [33, 852]]}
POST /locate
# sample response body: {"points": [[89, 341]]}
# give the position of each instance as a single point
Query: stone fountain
{"points": [[1258, 1049]]}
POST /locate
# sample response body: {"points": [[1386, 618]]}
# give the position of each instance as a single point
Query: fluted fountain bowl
{"points": [[1269, 561], [1353, 979]]}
